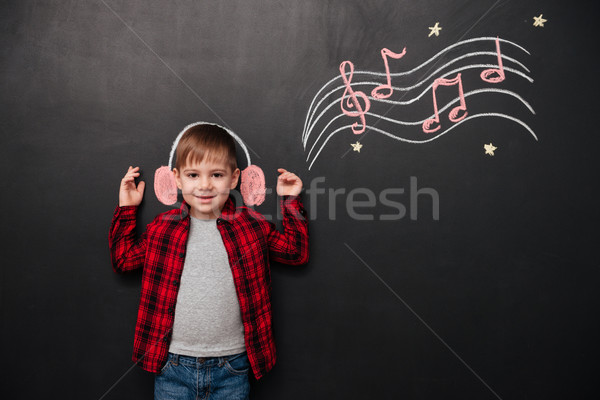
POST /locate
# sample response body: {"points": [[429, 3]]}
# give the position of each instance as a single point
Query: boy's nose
{"points": [[204, 183]]}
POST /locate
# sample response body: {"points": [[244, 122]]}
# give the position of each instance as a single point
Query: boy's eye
{"points": [[192, 175], [217, 174]]}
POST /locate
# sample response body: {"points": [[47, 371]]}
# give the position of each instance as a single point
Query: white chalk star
{"points": [[435, 30], [539, 21], [489, 149], [356, 146]]}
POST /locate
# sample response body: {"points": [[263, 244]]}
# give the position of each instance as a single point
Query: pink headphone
{"points": [[253, 179]]}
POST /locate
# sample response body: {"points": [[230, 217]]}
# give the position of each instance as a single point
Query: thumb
{"points": [[141, 187]]}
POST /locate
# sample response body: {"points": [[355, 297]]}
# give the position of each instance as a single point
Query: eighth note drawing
{"points": [[453, 116], [384, 54]]}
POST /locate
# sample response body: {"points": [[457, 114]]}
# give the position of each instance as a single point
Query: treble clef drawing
{"points": [[350, 100]]}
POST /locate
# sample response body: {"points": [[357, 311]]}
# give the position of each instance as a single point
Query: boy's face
{"points": [[205, 186]]}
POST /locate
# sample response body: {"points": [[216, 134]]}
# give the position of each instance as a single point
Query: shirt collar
{"points": [[228, 213]]}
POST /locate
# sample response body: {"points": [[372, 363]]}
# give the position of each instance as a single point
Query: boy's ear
{"points": [[235, 177], [177, 178]]}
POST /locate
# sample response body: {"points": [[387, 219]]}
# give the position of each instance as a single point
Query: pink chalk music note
{"points": [[453, 115], [385, 53], [352, 100], [485, 74]]}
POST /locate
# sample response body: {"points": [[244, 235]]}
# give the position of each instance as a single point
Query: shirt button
{"points": [[181, 255], [171, 311], [175, 282]]}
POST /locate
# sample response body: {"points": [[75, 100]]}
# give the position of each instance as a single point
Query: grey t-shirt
{"points": [[208, 322]]}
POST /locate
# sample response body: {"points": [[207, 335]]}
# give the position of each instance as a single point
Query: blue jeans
{"points": [[211, 378]]}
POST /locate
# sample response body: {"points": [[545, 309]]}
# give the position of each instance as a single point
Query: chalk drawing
{"points": [[539, 21], [165, 186], [253, 185], [352, 99], [489, 149], [485, 74], [322, 122], [356, 146], [453, 116], [310, 120], [385, 53], [435, 30]]}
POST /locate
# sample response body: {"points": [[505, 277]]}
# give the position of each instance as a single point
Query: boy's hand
{"points": [[288, 183], [129, 195]]}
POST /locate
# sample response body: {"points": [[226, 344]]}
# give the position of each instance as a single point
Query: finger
{"points": [[281, 170], [128, 179], [132, 173], [141, 187], [132, 170]]}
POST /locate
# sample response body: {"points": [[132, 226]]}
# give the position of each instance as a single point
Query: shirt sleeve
{"points": [[126, 252], [291, 246]]}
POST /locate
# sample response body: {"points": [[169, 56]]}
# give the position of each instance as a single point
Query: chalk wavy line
{"points": [[440, 111], [439, 54], [372, 128], [444, 51], [311, 124], [406, 102], [372, 73], [414, 86]]}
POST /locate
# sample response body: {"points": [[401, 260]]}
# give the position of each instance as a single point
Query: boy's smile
{"points": [[205, 186]]}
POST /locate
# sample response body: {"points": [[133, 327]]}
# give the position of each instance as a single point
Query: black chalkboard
{"points": [[437, 270]]}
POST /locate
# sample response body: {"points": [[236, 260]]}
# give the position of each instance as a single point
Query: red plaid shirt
{"points": [[250, 242]]}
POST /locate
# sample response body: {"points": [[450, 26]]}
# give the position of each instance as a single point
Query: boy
{"points": [[205, 311]]}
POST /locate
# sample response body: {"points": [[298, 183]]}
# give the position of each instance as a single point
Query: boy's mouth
{"points": [[204, 198]]}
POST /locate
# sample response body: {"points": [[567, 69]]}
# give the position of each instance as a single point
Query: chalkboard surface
{"points": [[449, 154]]}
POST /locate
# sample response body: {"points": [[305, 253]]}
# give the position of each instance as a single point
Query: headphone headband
{"points": [[233, 135]]}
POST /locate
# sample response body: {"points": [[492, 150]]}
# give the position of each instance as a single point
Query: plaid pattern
{"points": [[250, 242]]}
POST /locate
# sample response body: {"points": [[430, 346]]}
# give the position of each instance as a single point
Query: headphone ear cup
{"points": [[165, 186], [253, 187]]}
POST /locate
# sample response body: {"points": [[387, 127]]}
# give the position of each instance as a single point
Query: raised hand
{"points": [[129, 194], [288, 183]]}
